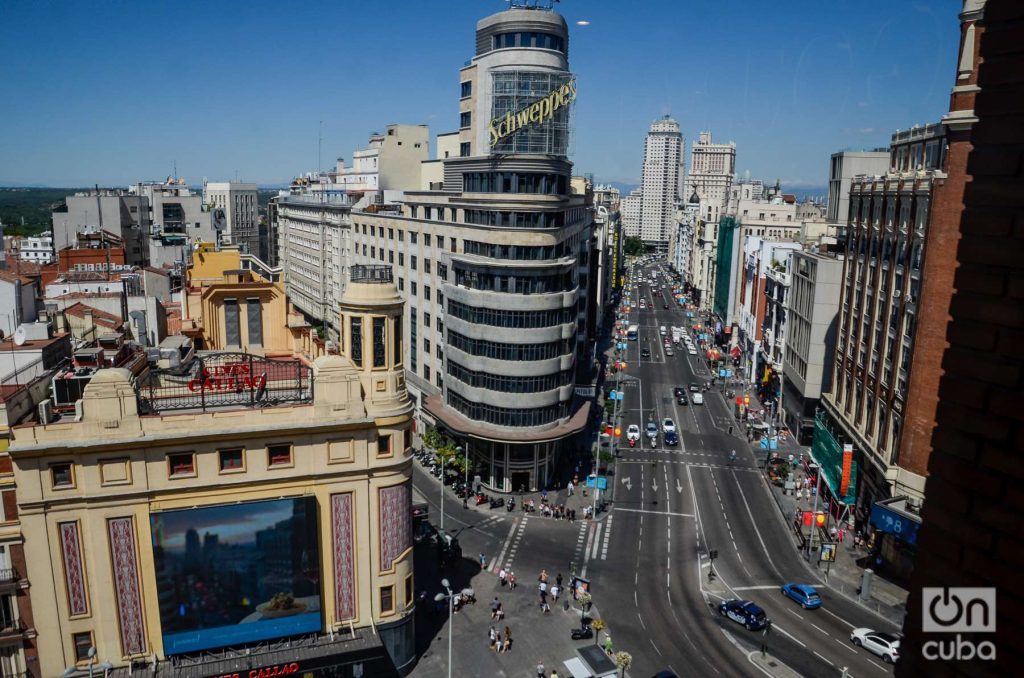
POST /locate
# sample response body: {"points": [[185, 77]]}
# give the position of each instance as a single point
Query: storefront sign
{"points": [[266, 672], [895, 523], [844, 483], [534, 114]]}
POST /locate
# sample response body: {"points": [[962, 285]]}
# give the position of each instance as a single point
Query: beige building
{"points": [[235, 213], [237, 500]]}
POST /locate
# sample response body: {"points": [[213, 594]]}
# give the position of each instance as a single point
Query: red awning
{"points": [[735, 351]]}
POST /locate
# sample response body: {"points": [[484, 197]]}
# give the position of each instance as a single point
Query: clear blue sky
{"points": [[112, 92]]}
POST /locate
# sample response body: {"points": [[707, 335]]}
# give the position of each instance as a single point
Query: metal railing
{"points": [[8, 574]]}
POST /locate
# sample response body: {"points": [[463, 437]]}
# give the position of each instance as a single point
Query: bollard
{"points": [[865, 584]]}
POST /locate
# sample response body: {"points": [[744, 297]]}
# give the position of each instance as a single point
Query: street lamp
{"points": [[442, 494], [450, 596], [105, 667]]}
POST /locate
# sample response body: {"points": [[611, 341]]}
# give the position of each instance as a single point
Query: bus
{"points": [[632, 332]]}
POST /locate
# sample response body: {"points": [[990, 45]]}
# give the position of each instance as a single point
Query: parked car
{"points": [[885, 645], [803, 594], [744, 612]]}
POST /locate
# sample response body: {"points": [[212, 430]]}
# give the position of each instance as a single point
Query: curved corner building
{"points": [[505, 241]]}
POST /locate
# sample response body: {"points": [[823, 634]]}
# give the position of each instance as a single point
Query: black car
{"points": [[678, 391], [672, 438], [694, 388], [744, 612], [681, 399], [645, 353]]}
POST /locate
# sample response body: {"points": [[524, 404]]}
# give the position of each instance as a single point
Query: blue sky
{"points": [[112, 92]]}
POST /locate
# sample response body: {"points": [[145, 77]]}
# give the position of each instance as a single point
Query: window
{"points": [[426, 319], [464, 119], [61, 475], [426, 372], [426, 346], [426, 292], [464, 149], [231, 460], [397, 341], [408, 438], [391, 257], [440, 323], [232, 322], [401, 284], [413, 237], [384, 445], [82, 642], [391, 234], [254, 317], [379, 359], [279, 455], [401, 259], [467, 89], [440, 242], [387, 599], [413, 262], [415, 290], [440, 299], [442, 271], [181, 464], [408, 590], [427, 266], [356, 325]]}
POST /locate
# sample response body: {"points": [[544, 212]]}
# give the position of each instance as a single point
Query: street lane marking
{"points": [[776, 627], [607, 537], [819, 628], [840, 618], [823, 658], [497, 562], [753, 524], [586, 549], [597, 541], [847, 646], [792, 613], [762, 587], [663, 513], [878, 665], [656, 648], [641, 621]]}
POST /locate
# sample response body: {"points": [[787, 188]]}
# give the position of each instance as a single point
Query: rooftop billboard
{"points": [[238, 573]]}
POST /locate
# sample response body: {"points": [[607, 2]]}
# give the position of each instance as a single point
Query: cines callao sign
{"points": [[534, 114]]}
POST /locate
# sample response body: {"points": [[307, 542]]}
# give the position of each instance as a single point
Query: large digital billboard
{"points": [[237, 573]]}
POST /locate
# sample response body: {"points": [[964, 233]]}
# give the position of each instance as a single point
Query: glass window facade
{"points": [[528, 39], [512, 91], [513, 319], [505, 384], [501, 351], [514, 182], [508, 416]]}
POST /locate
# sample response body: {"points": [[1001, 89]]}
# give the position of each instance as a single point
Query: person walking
{"points": [[558, 580], [543, 586], [494, 607], [554, 593], [502, 576], [608, 644], [483, 562], [541, 671], [493, 636], [511, 580], [506, 644]]}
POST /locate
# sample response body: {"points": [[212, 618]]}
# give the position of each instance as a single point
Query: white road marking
{"points": [[846, 645], [641, 621], [586, 550], [878, 665], [793, 613], [776, 627], [820, 629], [753, 523], [656, 648], [597, 540], [763, 587], [839, 618], [664, 513], [824, 659]]}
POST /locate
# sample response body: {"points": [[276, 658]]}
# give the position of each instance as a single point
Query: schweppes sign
{"points": [[534, 114]]}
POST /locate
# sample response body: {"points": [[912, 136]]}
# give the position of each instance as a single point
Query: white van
{"points": [[663, 331]]}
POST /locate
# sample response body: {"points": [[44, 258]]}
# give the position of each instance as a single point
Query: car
{"points": [[652, 429], [632, 432], [744, 612], [672, 438], [668, 426], [691, 350], [665, 305], [669, 351], [681, 399], [678, 391], [645, 353], [885, 645], [803, 594], [643, 304], [694, 388], [698, 398]]}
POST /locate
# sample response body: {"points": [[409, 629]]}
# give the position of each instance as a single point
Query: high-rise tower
{"points": [[662, 182]]}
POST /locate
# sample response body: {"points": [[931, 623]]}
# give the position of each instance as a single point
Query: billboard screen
{"points": [[239, 573]]}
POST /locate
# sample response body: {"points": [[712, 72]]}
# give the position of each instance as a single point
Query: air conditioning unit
{"points": [[45, 412], [895, 294]]}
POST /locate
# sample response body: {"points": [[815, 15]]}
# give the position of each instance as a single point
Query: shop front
{"points": [[897, 521], [839, 472]]}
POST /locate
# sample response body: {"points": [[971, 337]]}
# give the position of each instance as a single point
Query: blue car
{"points": [[803, 594], [743, 612], [671, 438]]}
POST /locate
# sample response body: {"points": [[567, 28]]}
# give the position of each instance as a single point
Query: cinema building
{"points": [[495, 259], [243, 512]]}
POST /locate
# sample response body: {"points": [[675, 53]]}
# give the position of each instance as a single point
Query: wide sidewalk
{"points": [[846, 573]]}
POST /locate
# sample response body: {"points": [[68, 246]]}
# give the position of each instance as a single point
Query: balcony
{"points": [[11, 629], [9, 579]]}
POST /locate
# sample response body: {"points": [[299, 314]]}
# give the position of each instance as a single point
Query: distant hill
{"points": [[26, 210]]}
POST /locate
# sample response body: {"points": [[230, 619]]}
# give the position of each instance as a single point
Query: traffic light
{"points": [[819, 520], [618, 432], [746, 400]]}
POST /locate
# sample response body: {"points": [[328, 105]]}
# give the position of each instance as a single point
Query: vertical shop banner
{"points": [[844, 483]]}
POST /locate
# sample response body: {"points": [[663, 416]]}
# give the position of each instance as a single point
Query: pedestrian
{"points": [[608, 644], [833, 532], [544, 607], [558, 580], [511, 580], [570, 487], [494, 607], [842, 535], [493, 636], [506, 645], [502, 576], [543, 576], [499, 614], [483, 562], [543, 586], [554, 593], [541, 671]]}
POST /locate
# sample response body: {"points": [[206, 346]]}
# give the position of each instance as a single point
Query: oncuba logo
{"points": [[959, 609]]}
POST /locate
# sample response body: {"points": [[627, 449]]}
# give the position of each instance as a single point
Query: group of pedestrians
{"points": [[500, 643], [545, 589]]}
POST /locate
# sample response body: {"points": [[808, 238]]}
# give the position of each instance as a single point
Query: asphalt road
{"points": [[674, 504]]}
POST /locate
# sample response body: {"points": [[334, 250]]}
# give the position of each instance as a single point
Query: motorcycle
{"points": [[654, 441], [632, 442], [510, 505], [482, 499], [584, 633], [496, 502]]}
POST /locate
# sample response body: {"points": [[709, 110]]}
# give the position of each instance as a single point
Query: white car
{"points": [[668, 426], [885, 645], [632, 432], [691, 350], [697, 398], [669, 352]]}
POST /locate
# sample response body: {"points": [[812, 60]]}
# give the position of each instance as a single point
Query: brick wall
{"points": [[973, 518]]}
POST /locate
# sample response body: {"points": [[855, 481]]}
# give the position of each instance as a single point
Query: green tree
{"points": [[635, 246]]}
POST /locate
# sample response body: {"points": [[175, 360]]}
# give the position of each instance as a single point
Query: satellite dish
{"points": [[20, 336]]}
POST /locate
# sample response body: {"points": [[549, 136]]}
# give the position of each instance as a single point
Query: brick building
{"points": [[972, 532]]}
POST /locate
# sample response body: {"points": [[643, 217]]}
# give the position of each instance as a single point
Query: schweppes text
{"points": [[535, 113]]}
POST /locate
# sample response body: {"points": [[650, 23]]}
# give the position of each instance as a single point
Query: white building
{"points": [[759, 256], [712, 168], [236, 213], [662, 182], [38, 248], [683, 238], [842, 168], [630, 206]]}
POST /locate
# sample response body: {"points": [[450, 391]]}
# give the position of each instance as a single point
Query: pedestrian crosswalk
{"points": [[738, 466]]}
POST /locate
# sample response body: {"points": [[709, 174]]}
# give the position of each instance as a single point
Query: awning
{"points": [[895, 517], [736, 351]]}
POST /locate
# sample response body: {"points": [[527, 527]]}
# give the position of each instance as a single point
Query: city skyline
{"points": [[120, 102]]}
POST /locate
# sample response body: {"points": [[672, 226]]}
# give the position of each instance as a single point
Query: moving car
{"points": [[681, 399], [645, 353], [691, 350], [698, 398], [632, 432], [669, 351], [668, 426], [743, 612], [803, 594], [678, 391], [672, 438], [885, 645], [694, 388], [652, 429]]}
